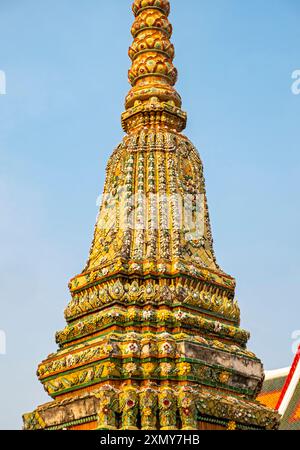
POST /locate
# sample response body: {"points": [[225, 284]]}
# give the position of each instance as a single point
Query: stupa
{"points": [[153, 338]]}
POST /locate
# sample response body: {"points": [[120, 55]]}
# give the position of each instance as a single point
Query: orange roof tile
{"points": [[269, 399]]}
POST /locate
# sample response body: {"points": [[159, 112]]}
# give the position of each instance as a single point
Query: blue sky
{"points": [[66, 68]]}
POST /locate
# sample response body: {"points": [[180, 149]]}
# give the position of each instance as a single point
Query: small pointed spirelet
{"points": [[153, 99]]}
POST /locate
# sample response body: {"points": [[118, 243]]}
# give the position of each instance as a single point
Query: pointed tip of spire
{"points": [[140, 5], [152, 74]]}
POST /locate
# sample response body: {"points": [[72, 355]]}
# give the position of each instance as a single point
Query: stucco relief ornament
{"points": [[188, 409], [167, 409], [108, 349], [147, 315], [108, 408], [180, 315], [166, 349], [218, 327], [148, 405], [149, 347], [130, 369], [133, 348], [149, 369], [231, 426], [167, 369], [184, 369], [129, 403]]}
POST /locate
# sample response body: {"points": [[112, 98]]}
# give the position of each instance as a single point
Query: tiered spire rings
{"points": [[153, 99]]}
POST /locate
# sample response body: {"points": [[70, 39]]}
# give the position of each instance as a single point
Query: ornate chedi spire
{"points": [[152, 338], [153, 100]]}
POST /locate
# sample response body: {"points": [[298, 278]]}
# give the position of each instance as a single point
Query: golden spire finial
{"points": [[152, 74]]}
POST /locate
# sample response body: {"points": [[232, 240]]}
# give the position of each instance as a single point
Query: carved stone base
{"points": [[207, 410]]}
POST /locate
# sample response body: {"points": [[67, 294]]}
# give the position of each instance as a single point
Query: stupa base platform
{"points": [[152, 408]]}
